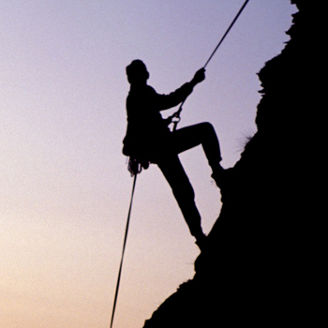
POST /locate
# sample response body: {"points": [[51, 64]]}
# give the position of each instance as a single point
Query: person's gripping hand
{"points": [[199, 76]]}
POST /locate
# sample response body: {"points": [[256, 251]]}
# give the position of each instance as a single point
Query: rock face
{"points": [[257, 268]]}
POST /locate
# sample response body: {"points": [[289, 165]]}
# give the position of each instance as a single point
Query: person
{"points": [[148, 139]]}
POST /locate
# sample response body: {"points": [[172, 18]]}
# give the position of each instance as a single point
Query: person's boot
{"points": [[218, 176], [201, 241]]}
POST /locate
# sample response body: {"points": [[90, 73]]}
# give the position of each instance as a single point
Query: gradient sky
{"points": [[64, 184]]}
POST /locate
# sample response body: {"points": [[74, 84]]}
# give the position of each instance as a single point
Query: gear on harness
{"points": [[135, 166]]}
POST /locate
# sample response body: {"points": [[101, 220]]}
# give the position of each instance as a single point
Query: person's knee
{"points": [[207, 131], [207, 128]]}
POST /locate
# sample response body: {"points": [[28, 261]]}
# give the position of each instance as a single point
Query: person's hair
{"points": [[136, 70]]}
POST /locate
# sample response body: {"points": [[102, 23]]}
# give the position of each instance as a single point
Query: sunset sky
{"points": [[64, 184]]}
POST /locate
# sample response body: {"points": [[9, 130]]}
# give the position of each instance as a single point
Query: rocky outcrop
{"points": [[258, 267]]}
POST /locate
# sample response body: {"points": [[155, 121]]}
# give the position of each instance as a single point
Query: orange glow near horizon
{"points": [[64, 184]]}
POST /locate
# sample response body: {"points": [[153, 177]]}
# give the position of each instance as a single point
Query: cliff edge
{"points": [[258, 268]]}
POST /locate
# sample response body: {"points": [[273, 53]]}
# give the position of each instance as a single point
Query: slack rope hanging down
{"points": [[123, 251], [176, 115]]}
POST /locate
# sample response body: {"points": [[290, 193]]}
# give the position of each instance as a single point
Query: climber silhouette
{"points": [[148, 139]]}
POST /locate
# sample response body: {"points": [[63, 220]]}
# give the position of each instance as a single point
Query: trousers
{"points": [[172, 169]]}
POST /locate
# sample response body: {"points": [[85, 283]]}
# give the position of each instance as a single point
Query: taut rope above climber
{"points": [[175, 118]]}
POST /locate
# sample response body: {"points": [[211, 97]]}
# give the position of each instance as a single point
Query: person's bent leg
{"points": [[200, 134]]}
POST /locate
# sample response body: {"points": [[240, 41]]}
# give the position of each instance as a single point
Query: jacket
{"points": [[147, 135]]}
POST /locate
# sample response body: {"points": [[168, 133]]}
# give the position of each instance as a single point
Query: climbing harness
{"points": [[123, 250], [135, 167], [175, 118]]}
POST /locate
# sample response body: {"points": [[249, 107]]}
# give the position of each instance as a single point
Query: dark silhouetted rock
{"points": [[259, 268]]}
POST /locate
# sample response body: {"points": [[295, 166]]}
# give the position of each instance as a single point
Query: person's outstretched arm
{"points": [[176, 97]]}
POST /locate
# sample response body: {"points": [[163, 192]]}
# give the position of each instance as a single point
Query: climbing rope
{"points": [[226, 32], [123, 251], [135, 167], [176, 117]]}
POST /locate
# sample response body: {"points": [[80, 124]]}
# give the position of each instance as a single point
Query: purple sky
{"points": [[64, 184]]}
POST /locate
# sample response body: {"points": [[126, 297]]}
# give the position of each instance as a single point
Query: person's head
{"points": [[137, 72]]}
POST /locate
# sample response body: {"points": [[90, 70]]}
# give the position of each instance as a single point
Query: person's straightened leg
{"points": [[182, 189]]}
